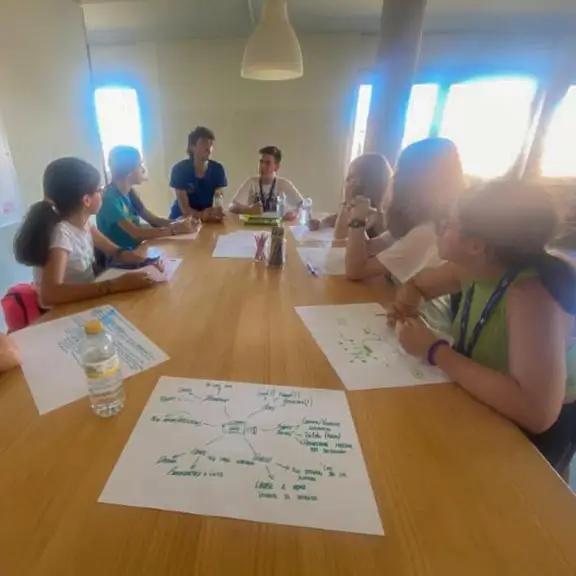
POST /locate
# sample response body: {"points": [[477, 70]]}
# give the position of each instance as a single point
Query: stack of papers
{"points": [[236, 245]]}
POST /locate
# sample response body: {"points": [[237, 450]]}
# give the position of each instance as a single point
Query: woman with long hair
{"points": [[514, 328], [368, 176], [427, 180], [57, 238]]}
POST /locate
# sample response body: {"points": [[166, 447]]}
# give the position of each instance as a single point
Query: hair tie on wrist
{"points": [[432, 350]]}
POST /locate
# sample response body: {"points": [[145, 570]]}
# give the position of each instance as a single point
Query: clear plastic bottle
{"points": [[281, 205], [102, 368], [218, 201], [306, 211]]}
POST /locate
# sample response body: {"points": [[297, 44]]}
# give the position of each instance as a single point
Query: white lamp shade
{"points": [[273, 51]]}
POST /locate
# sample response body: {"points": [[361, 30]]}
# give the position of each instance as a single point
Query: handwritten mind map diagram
{"points": [[363, 350], [51, 355], [248, 451]]}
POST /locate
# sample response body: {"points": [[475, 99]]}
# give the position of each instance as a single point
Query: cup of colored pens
{"points": [[260, 239]]}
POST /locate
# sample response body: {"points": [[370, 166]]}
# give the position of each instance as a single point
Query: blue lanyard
{"points": [[268, 204], [493, 301]]}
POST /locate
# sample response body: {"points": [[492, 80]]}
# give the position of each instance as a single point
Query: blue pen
{"points": [[311, 269]]}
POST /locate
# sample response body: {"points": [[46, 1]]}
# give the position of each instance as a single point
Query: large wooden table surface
{"points": [[460, 491]]}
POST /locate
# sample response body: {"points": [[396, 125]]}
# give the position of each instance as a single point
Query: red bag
{"points": [[20, 306]]}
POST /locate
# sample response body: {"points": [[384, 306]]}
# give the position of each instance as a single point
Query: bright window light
{"points": [[420, 114], [361, 121], [487, 119], [559, 156], [118, 114]]}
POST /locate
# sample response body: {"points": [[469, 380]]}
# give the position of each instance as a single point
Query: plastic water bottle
{"points": [[306, 211], [281, 205], [218, 200], [102, 368]]}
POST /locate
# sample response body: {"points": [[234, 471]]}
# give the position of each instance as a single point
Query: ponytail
{"points": [[32, 241], [557, 274], [66, 182]]}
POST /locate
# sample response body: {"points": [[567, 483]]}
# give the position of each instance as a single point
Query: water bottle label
{"points": [[102, 370]]}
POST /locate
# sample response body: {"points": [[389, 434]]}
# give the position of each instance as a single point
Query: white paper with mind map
{"points": [[248, 451], [363, 350], [51, 362]]}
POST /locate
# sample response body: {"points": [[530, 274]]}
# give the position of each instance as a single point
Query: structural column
{"points": [[398, 53]]}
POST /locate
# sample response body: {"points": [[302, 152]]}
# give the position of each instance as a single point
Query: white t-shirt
{"points": [[80, 247], [412, 253], [249, 193]]}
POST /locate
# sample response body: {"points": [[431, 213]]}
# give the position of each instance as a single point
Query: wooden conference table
{"points": [[459, 490]]}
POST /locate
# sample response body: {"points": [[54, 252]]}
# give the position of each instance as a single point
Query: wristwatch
{"points": [[357, 223]]}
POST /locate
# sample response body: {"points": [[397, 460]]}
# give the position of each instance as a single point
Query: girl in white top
{"points": [[260, 193], [58, 241], [426, 183]]}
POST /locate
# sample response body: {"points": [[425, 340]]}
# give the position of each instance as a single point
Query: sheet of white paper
{"points": [[170, 266], [236, 245], [50, 355], [325, 260], [304, 236], [254, 452], [363, 350]]}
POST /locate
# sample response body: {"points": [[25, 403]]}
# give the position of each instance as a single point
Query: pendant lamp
{"points": [[273, 51]]}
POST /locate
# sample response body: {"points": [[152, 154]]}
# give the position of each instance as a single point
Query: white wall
{"points": [[198, 82], [45, 99]]}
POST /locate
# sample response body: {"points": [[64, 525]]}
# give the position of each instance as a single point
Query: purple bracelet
{"points": [[433, 348]]}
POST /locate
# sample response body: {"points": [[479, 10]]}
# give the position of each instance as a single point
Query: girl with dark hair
{"points": [[427, 180], [58, 240], [513, 332], [368, 176]]}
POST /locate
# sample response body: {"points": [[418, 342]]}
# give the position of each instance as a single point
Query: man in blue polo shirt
{"points": [[122, 212], [198, 179]]}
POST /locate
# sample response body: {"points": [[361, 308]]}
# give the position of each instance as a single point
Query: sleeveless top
{"points": [[492, 346]]}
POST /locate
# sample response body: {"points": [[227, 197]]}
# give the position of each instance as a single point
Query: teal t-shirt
{"points": [[117, 207]]}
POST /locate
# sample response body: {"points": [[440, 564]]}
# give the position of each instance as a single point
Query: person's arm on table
{"points": [[241, 202], [360, 264], [425, 286], [293, 199], [185, 208], [145, 214], [531, 395], [54, 292]]}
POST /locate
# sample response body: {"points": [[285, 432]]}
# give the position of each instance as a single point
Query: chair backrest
{"points": [[20, 306]]}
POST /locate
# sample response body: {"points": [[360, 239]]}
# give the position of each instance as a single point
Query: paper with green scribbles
{"points": [[256, 452], [363, 350]]}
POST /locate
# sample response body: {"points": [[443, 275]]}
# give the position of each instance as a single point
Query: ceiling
{"points": [[110, 21]]}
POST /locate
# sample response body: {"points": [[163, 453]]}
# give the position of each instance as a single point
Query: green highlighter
{"points": [[265, 219]]}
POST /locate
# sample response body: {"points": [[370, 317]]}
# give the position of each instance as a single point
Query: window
{"points": [[559, 156], [419, 116], [361, 120], [118, 115], [488, 119]]}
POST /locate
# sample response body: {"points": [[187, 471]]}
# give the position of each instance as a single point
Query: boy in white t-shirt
{"points": [[260, 193]]}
